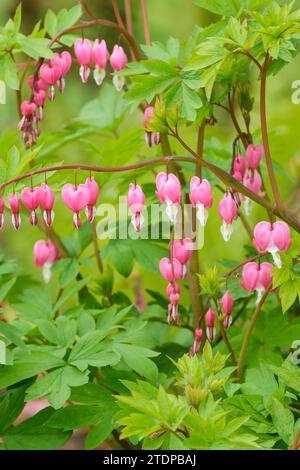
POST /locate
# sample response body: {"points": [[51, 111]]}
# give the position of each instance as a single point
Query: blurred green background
{"points": [[167, 18]]}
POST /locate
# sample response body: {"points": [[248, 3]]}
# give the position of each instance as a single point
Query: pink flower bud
{"points": [[99, 58], [228, 211], [201, 197], [76, 198], [30, 198], [118, 58], [182, 250], [45, 254], [272, 238], [173, 289], [197, 342], [14, 205], [227, 303], [148, 113], [253, 181], [210, 322], [93, 188], [50, 73], [136, 200], [27, 108], [66, 59], [239, 165], [170, 269], [47, 198], [39, 84], [254, 154]]}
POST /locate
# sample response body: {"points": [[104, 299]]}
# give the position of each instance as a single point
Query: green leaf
{"points": [[137, 358], [99, 433], [69, 292], [75, 417], [221, 7], [51, 23], [67, 18], [11, 406], [283, 420], [18, 17], [29, 365], [288, 293], [89, 350], [11, 333], [34, 434], [68, 269], [35, 47], [9, 71], [5, 288]]}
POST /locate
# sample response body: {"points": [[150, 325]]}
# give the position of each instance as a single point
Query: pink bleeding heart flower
{"points": [[210, 322], [50, 73], [14, 205], [254, 155], [118, 61], [239, 165], [27, 109], [169, 193], [136, 201], [227, 306], [252, 180], [65, 61], [83, 53], [37, 84], [228, 211], [47, 199], [99, 58], [197, 342], [182, 250], [256, 277], [30, 198], [170, 269], [201, 197], [272, 237], [93, 188], [39, 98], [45, 254], [151, 138], [76, 198], [2, 207]]}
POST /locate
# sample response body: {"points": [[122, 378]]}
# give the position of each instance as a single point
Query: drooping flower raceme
{"points": [[30, 198], [99, 59], [182, 250], [228, 211], [45, 254], [47, 198], [256, 277], [169, 193], [210, 322], [136, 201], [173, 292], [83, 53], [118, 61], [150, 137], [227, 306], [201, 198], [76, 199], [272, 237], [93, 188], [14, 205]]}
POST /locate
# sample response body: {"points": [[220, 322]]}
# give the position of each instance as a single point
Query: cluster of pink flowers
{"points": [[45, 254], [96, 56], [50, 74], [168, 191], [246, 171], [76, 198], [225, 317], [173, 269]]}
